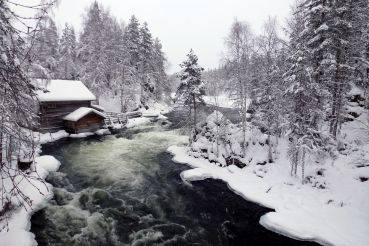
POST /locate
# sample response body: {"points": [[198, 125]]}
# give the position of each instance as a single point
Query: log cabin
{"points": [[84, 120], [59, 98]]}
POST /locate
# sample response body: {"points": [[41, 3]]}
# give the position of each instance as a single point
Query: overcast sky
{"points": [[183, 24]]}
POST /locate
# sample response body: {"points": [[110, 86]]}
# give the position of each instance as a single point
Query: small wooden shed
{"points": [[84, 119]]}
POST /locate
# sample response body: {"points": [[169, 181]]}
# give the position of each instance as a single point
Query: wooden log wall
{"points": [[51, 113]]}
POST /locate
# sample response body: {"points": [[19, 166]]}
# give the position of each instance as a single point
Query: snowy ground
{"points": [[156, 110], [335, 215], [223, 101], [17, 231]]}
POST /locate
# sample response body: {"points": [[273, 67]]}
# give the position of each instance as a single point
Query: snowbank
{"points": [[332, 208], [43, 138], [223, 101], [39, 192], [336, 216], [155, 109]]}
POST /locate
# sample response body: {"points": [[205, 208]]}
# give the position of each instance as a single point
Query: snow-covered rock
{"points": [[16, 232], [220, 141]]}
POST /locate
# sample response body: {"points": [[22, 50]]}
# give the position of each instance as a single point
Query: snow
{"points": [[82, 112], [19, 222], [155, 109], [43, 138], [62, 90], [134, 122], [355, 90], [81, 135], [334, 215], [98, 107], [223, 101]]}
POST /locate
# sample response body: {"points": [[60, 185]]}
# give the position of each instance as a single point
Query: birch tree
{"points": [[239, 45]]}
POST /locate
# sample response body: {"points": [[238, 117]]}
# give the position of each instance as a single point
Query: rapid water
{"points": [[125, 190]]}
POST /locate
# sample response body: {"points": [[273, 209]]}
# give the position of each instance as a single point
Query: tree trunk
{"points": [[1, 147], [194, 116], [303, 166], [270, 156]]}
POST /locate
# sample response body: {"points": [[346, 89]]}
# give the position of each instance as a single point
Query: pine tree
{"points": [[328, 29], [146, 67], [44, 53], [160, 77], [191, 88], [91, 51], [68, 54], [132, 41], [305, 111], [359, 45]]}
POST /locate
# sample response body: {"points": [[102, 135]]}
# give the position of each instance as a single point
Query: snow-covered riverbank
{"points": [[332, 208], [334, 216], [16, 232]]}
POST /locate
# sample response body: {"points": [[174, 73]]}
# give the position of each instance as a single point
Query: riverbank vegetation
{"points": [[305, 86], [300, 141]]}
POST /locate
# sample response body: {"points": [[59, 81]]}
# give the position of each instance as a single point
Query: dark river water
{"points": [[124, 189]]}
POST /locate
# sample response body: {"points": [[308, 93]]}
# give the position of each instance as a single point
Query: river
{"points": [[124, 189]]}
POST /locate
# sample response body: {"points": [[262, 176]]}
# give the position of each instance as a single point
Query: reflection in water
{"points": [[125, 190]]}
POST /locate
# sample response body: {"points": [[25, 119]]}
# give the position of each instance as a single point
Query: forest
{"points": [[283, 119]]}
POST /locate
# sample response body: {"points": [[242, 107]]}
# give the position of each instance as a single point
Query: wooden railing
{"points": [[113, 118]]}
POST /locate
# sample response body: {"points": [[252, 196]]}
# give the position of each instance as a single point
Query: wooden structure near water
{"points": [[84, 119], [58, 98], [112, 119]]}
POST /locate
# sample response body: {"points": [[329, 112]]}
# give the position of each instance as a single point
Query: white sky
{"points": [[183, 24]]}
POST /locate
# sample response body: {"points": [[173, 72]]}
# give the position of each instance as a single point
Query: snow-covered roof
{"points": [[80, 113], [62, 90], [98, 107]]}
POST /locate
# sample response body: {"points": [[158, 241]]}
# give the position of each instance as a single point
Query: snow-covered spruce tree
{"points": [[329, 29], [305, 93], [123, 75], [239, 51], [45, 51], [17, 101], [67, 54], [91, 50], [146, 65], [162, 87], [191, 88], [132, 41], [359, 45]]}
